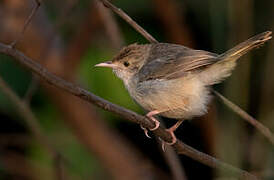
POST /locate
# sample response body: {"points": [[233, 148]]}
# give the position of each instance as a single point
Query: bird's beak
{"points": [[106, 64]]}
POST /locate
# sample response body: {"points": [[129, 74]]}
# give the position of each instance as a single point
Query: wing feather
{"points": [[174, 62]]}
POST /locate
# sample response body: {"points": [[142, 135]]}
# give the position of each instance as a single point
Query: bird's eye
{"points": [[126, 64]]}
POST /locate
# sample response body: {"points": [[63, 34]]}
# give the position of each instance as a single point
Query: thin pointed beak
{"points": [[106, 64]]}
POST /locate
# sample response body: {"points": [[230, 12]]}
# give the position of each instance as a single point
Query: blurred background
{"points": [[84, 142]]}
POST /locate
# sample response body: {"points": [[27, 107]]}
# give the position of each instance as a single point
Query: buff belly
{"points": [[182, 98]]}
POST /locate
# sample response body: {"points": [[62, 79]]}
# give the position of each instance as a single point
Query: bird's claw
{"points": [[163, 144], [145, 131], [150, 116], [157, 124], [174, 140]]}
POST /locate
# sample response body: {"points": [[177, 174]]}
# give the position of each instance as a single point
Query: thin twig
{"points": [[129, 20], [61, 19], [31, 121], [125, 113], [28, 20], [260, 127]]}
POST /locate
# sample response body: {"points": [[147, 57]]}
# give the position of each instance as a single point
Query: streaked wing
{"points": [[172, 61]]}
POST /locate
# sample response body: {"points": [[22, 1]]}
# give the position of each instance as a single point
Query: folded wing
{"points": [[170, 61]]}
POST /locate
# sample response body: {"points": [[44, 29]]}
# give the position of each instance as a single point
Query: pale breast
{"points": [[181, 98]]}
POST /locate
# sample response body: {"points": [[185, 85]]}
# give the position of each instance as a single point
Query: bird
{"points": [[175, 81]]}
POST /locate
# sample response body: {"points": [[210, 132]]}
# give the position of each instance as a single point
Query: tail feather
{"points": [[227, 61], [246, 46]]}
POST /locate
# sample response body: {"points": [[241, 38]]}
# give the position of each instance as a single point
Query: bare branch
{"points": [[260, 127], [123, 160], [130, 21], [61, 19], [125, 113], [28, 20]]}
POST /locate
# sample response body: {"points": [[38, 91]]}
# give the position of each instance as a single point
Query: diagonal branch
{"points": [[61, 19], [28, 20], [260, 127], [66, 86], [130, 21], [123, 160]]}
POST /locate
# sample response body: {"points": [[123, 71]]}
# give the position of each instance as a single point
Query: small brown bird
{"points": [[173, 80]]}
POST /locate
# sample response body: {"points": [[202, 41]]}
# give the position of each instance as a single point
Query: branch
{"points": [[259, 126], [122, 160], [61, 19], [33, 12], [125, 113], [130, 21]]}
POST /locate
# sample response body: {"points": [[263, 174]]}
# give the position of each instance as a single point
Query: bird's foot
{"points": [[157, 123], [145, 131], [150, 116], [171, 131], [174, 139]]}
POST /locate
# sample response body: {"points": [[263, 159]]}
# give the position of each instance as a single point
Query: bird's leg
{"points": [[171, 131], [157, 123], [150, 115]]}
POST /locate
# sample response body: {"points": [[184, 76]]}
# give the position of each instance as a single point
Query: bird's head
{"points": [[128, 61]]}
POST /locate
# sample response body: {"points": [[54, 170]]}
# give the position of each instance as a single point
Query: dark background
{"points": [[70, 37]]}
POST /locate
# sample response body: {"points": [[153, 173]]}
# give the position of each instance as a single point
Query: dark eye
{"points": [[126, 64]]}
